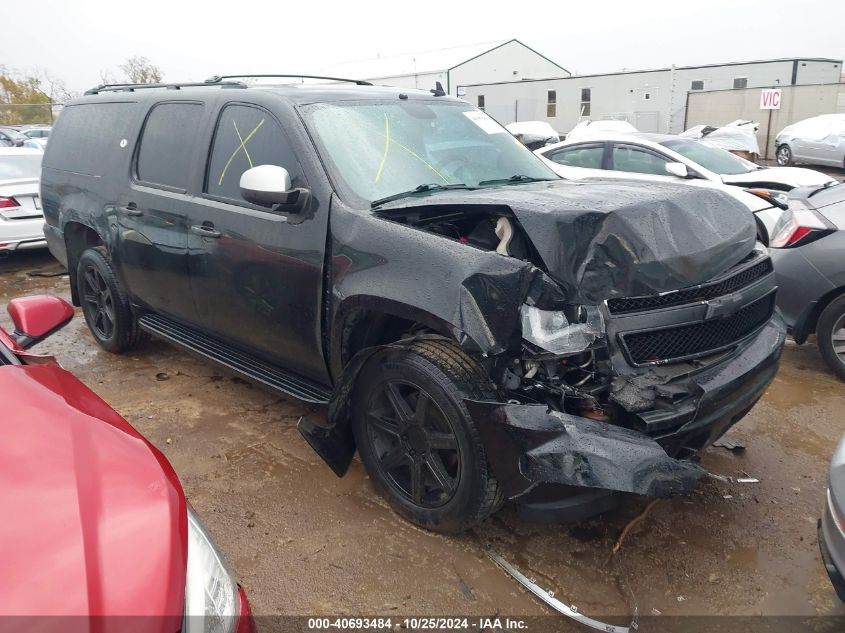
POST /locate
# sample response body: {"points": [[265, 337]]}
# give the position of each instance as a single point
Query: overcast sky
{"points": [[193, 39]]}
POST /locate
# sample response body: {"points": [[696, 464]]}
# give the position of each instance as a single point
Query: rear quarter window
{"points": [[86, 137], [166, 150]]}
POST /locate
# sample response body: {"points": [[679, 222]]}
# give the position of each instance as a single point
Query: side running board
{"points": [[246, 365]]}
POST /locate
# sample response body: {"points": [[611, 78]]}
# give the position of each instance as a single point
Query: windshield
{"points": [[717, 160], [17, 167], [382, 149]]}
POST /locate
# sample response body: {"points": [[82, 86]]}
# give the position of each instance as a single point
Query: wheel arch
{"points": [[78, 237], [366, 321], [362, 326], [809, 321]]}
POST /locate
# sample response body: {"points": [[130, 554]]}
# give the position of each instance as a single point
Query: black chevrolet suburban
{"points": [[476, 327]]}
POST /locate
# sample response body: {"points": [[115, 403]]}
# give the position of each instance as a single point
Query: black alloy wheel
{"points": [[416, 446], [98, 303], [416, 438], [105, 304]]}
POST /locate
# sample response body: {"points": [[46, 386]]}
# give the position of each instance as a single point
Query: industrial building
{"points": [[488, 62], [651, 100], [513, 82]]}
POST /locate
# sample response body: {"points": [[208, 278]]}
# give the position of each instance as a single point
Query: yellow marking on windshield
{"points": [[240, 147], [417, 156], [240, 138], [386, 147]]}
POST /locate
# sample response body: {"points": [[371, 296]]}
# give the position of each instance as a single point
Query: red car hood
{"points": [[94, 520]]}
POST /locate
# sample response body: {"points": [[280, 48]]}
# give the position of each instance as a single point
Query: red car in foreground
{"points": [[96, 534]]}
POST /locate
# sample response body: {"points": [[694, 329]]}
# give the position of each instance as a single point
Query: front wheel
{"points": [[105, 305], [830, 335], [784, 156], [417, 440]]}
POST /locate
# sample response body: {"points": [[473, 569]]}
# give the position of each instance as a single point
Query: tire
{"points": [[830, 335], [105, 304], [784, 155], [447, 489]]}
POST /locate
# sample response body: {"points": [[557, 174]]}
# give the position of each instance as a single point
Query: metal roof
{"points": [[412, 63]]}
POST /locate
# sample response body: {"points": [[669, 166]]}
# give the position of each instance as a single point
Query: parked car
{"points": [[21, 218], [10, 137], [807, 251], [473, 324], [95, 520], [38, 133], [819, 140], [832, 524], [590, 129], [533, 134], [673, 158], [765, 205]]}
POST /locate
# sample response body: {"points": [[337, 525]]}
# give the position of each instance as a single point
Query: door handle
{"points": [[131, 209], [205, 230]]}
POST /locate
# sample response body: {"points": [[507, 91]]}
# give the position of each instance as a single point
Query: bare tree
{"points": [[140, 70], [107, 76], [54, 87]]}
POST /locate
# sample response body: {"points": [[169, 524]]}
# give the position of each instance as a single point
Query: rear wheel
{"points": [[784, 155], [105, 305], [417, 440], [830, 335]]}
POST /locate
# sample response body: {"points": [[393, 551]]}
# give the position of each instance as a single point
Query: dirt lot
{"points": [[305, 542]]}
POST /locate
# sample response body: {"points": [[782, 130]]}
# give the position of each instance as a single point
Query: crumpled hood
{"points": [[94, 518], [605, 239]]}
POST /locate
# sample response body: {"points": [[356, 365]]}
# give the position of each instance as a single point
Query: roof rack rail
{"points": [[168, 86], [218, 78]]}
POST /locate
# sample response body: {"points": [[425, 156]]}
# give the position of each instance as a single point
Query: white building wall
{"points": [[818, 72], [653, 101], [510, 62], [620, 96]]}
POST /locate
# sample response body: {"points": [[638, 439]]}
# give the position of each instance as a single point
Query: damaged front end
{"points": [[622, 397], [621, 339]]}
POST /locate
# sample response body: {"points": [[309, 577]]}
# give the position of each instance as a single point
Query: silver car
{"points": [[832, 523], [819, 140], [806, 249]]}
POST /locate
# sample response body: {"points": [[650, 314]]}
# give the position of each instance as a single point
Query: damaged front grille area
{"points": [[688, 341], [704, 292]]}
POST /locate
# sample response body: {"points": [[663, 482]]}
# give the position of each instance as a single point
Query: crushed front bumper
{"points": [[530, 448]]}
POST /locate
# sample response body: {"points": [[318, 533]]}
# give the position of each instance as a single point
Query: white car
{"points": [[664, 157], [21, 218], [38, 133]]}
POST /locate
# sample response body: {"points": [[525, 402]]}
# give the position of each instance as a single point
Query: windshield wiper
{"points": [[512, 179], [426, 187]]}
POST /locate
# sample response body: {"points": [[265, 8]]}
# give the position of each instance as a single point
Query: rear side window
{"points": [[167, 144], [86, 137], [636, 160], [246, 137], [581, 156]]}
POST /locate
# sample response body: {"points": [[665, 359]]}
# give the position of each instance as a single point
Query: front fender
{"points": [[471, 293]]}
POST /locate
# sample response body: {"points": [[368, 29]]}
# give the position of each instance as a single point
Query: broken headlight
{"points": [[212, 603], [555, 332]]}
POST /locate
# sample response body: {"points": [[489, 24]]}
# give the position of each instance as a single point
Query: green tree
{"points": [[23, 99]]}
